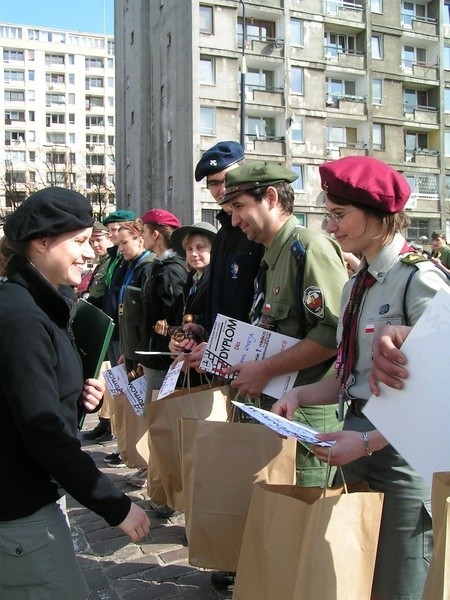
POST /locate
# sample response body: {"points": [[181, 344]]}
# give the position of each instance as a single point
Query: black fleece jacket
{"points": [[40, 386]]}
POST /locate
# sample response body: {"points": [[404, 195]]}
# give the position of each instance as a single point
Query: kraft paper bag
{"points": [[202, 402], [301, 545], [220, 464], [437, 584], [131, 432]]}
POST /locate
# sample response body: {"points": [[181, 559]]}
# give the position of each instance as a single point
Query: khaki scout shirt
{"points": [[323, 279], [383, 304]]}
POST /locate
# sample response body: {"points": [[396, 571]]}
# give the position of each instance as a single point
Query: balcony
{"points": [[265, 145], [340, 149], [348, 11], [423, 157], [420, 69], [421, 114], [350, 105], [272, 47], [265, 96], [352, 59], [420, 24]]}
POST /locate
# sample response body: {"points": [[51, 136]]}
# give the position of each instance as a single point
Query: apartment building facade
{"points": [[321, 79], [57, 108]]}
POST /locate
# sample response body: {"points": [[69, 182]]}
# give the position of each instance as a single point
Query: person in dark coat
{"points": [[42, 255]]}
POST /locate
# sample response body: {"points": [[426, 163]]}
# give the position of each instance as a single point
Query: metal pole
{"points": [[243, 73]]}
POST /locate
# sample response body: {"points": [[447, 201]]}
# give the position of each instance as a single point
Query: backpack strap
{"points": [[298, 252]]}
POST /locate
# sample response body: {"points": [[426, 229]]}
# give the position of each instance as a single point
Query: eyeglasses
{"points": [[214, 183], [337, 217]]}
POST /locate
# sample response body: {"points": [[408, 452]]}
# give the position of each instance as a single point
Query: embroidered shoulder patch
{"points": [[314, 302], [413, 258]]}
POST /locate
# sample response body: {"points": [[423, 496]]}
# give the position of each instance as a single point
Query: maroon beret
{"points": [[365, 180], [158, 216]]}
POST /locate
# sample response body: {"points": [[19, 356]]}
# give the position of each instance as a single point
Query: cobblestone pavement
{"points": [[156, 568]]}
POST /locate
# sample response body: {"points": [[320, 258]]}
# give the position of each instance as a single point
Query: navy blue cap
{"points": [[218, 158]]}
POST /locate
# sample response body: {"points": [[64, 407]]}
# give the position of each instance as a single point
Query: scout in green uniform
{"points": [[100, 242], [440, 252], [304, 276]]}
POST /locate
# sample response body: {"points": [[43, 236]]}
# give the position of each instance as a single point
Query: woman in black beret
{"points": [[43, 254]]}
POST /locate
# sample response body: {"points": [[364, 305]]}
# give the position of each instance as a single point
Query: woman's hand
{"points": [[349, 446], [92, 393], [389, 362], [136, 524]]}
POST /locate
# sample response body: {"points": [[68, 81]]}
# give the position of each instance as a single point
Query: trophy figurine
{"points": [[176, 332]]}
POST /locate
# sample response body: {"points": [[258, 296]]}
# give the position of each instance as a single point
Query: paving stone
{"points": [[122, 569]]}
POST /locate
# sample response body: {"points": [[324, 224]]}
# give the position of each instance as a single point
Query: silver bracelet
{"points": [[366, 444]]}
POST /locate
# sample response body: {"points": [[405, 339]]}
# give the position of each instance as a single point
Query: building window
{"points": [[376, 6], [413, 56], [411, 11], [15, 156], [447, 57], [377, 47], [297, 130], [54, 59], [14, 96], [71, 98], [54, 99], [207, 70], [418, 228], [93, 63], [377, 91], [93, 82], [13, 55], [13, 33], [298, 184], [256, 30], [297, 85], [259, 79], [260, 128], [447, 99], [207, 120], [447, 143], [206, 19], [302, 218], [338, 43], [32, 155], [95, 160], [54, 78], [10, 76], [415, 99], [95, 121], [296, 26], [378, 136], [209, 216]]}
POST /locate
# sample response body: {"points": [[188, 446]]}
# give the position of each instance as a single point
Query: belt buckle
{"points": [[358, 405]]}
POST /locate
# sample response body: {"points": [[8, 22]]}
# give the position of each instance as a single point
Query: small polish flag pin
{"points": [[370, 328]]}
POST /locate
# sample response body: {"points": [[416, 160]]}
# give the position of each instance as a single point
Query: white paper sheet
{"points": [[283, 426], [135, 392], [416, 420], [170, 380], [232, 342], [116, 380]]}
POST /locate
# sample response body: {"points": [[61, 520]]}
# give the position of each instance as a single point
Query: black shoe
{"points": [[111, 457], [164, 512], [102, 428], [106, 437], [223, 580]]}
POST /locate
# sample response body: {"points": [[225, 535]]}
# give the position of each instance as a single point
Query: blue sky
{"points": [[94, 16]]}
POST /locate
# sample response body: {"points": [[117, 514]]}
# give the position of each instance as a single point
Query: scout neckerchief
{"points": [[129, 276]]}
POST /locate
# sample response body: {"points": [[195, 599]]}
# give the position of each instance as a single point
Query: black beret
{"points": [[50, 211], [218, 158]]}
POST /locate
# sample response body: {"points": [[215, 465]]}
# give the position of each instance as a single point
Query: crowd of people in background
{"points": [[323, 288]]}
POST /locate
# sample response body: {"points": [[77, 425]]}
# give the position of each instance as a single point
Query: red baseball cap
{"points": [[158, 216], [367, 181]]}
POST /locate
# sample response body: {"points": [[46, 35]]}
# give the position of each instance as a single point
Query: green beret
{"points": [[119, 216], [439, 234], [254, 174]]}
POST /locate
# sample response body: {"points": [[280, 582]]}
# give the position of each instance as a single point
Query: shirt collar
{"points": [[272, 253]]}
